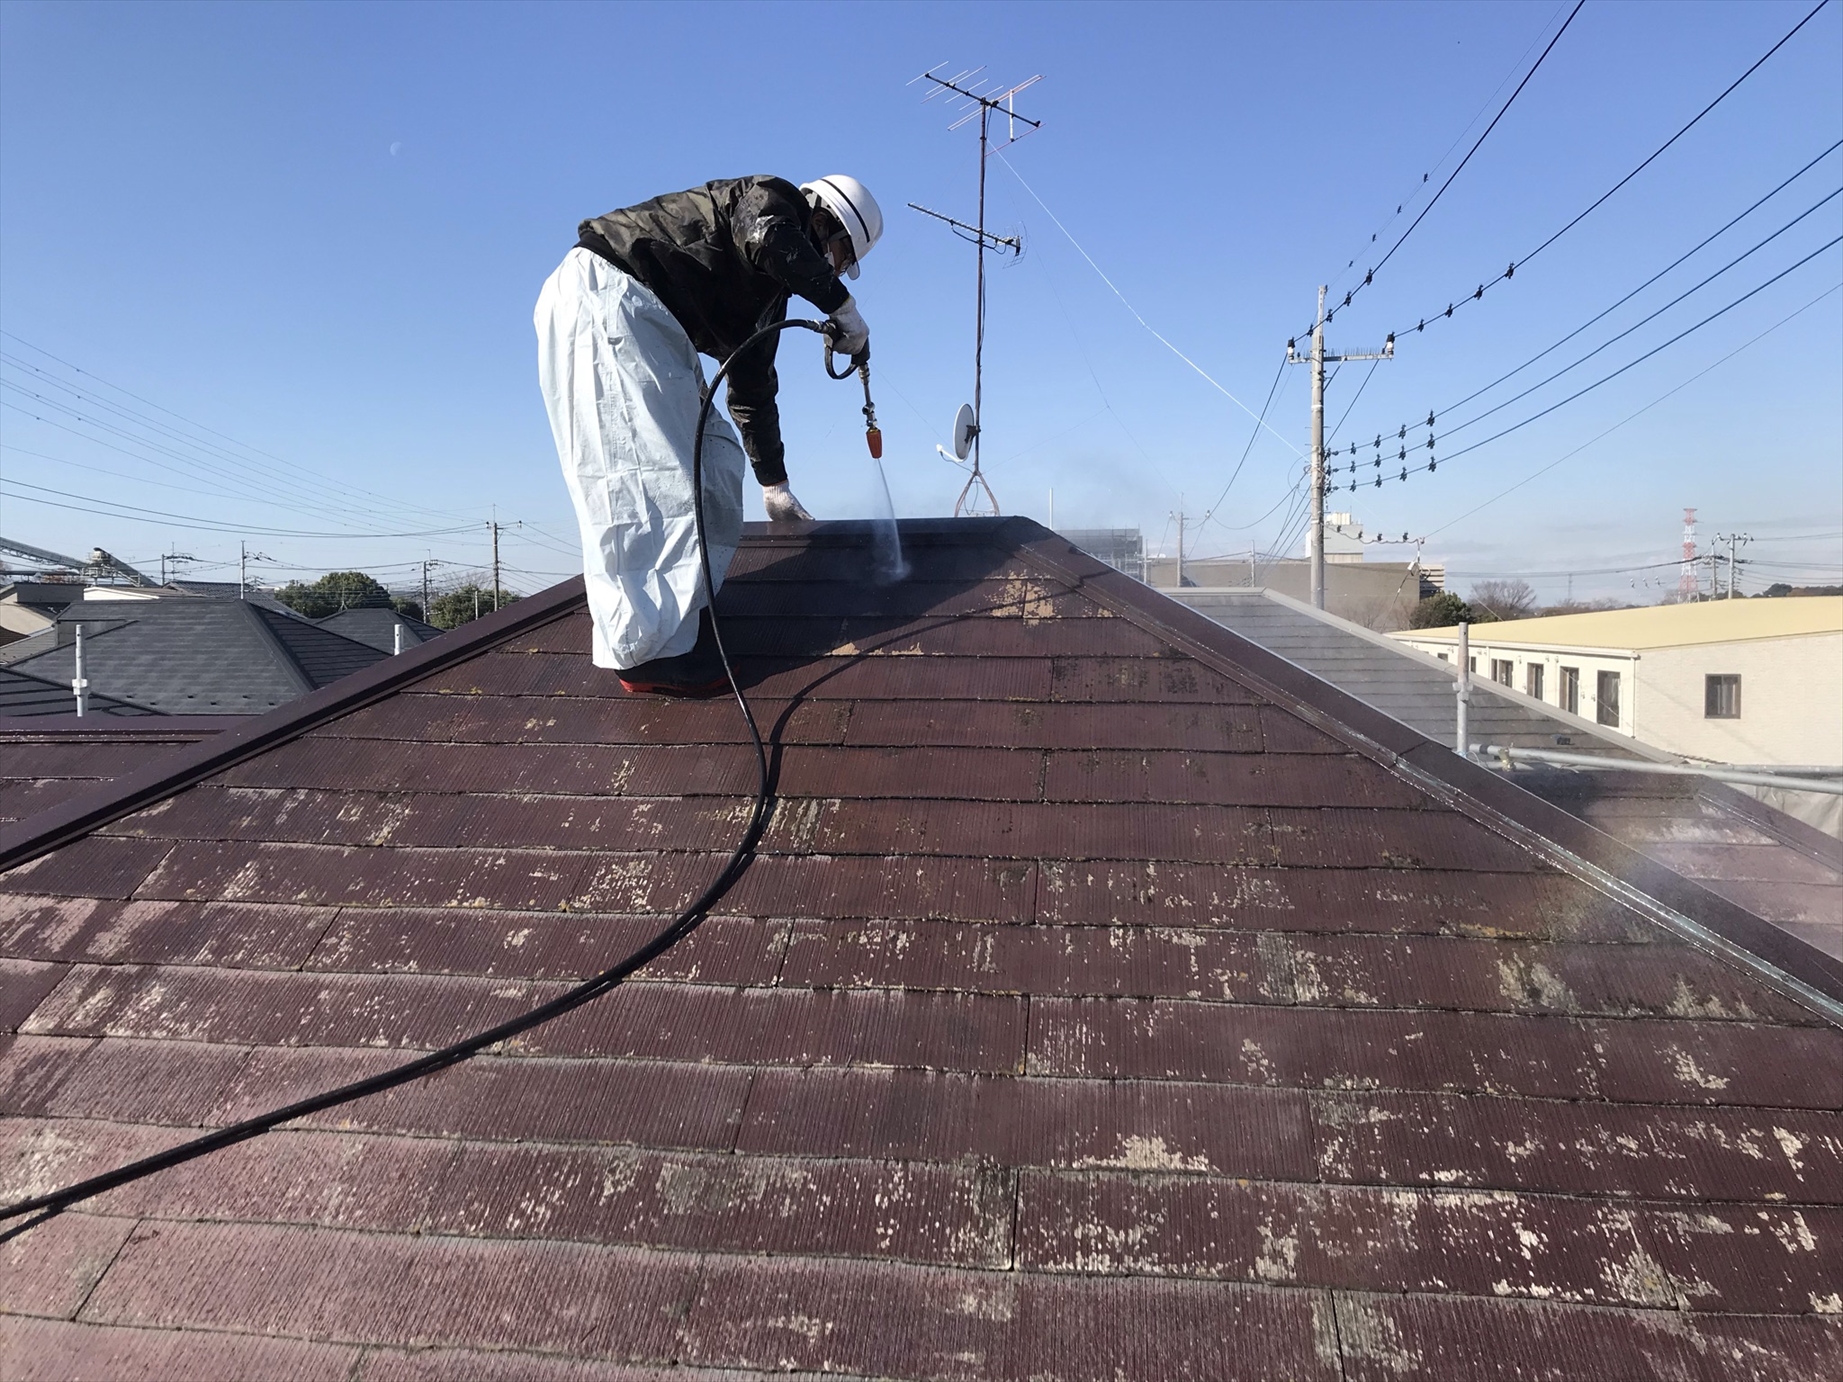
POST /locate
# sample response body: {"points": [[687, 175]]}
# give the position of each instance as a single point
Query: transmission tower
{"points": [[1689, 585], [971, 97]]}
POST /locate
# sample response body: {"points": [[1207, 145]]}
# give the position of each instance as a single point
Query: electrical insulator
{"points": [[1430, 442], [1449, 309], [1378, 482], [1430, 465], [1404, 472], [1430, 417], [1404, 432]]}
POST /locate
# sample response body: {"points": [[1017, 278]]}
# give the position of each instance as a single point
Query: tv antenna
{"points": [[972, 98]]}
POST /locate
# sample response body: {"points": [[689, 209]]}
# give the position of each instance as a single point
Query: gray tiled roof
{"points": [[1400, 682], [194, 656], [24, 694], [374, 628]]}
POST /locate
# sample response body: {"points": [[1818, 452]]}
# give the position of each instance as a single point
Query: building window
{"points": [[1721, 697], [1532, 680], [1607, 712], [1570, 690], [1502, 669]]}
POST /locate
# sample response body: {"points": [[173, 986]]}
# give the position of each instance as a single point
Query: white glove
{"points": [[781, 505], [849, 334]]}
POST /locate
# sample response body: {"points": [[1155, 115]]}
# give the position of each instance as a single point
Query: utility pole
{"points": [[1733, 540], [980, 105], [1179, 516], [425, 592], [1316, 360], [243, 563], [494, 525]]}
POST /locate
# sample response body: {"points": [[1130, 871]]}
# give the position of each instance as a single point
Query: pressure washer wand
{"points": [[873, 434]]}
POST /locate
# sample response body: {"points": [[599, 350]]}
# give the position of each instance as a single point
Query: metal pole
{"points": [[1180, 542], [1464, 689], [1731, 539], [243, 561], [495, 526], [79, 684], [1317, 536], [985, 113], [425, 593]]}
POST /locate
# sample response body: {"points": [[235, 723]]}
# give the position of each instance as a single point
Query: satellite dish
{"points": [[965, 428]]}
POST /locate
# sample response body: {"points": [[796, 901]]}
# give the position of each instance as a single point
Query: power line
{"points": [[1642, 358], [1370, 277], [1702, 244], [1643, 321], [183, 521], [1414, 193], [1353, 398], [1537, 474], [282, 468], [1510, 270], [1253, 436]]}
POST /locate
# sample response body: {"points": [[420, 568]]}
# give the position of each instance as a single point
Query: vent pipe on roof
{"points": [[396, 639], [80, 684]]}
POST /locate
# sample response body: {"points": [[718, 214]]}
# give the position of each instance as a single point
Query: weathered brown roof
{"points": [[1109, 999]]}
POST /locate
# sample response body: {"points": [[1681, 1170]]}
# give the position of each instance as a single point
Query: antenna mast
{"points": [[971, 98]]}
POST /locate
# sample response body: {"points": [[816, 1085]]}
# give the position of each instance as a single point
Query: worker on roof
{"points": [[620, 326]]}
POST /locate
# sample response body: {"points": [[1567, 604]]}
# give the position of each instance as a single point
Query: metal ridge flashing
{"points": [[1701, 918], [26, 840]]}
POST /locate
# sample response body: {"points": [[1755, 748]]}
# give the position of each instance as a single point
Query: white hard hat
{"points": [[852, 207]]}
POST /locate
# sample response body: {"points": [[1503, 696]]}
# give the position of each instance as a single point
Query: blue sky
{"points": [[318, 230]]}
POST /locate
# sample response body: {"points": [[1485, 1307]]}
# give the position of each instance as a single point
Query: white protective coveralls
{"points": [[623, 385]]}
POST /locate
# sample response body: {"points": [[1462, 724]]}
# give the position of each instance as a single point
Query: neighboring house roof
{"points": [[1107, 999], [191, 656], [24, 694], [1413, 687], [1768, 862], [376, 628], [42, 764], [1661, 626]]}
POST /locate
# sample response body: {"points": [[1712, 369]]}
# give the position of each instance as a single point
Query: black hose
{"points": [[44, 1206]]}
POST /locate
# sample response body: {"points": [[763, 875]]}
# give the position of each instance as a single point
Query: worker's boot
{"points": [[692, 675]]}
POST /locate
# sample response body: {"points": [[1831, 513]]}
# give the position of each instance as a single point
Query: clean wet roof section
{"points": [[1109, 1000]]}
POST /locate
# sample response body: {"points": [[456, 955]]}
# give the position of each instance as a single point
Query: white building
{"points": [[1727, 681]]}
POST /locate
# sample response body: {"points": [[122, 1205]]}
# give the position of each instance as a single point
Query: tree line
{"points": [[341, 590]]}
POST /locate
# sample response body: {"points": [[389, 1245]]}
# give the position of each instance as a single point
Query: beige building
{"points": [[1726, 681]]}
